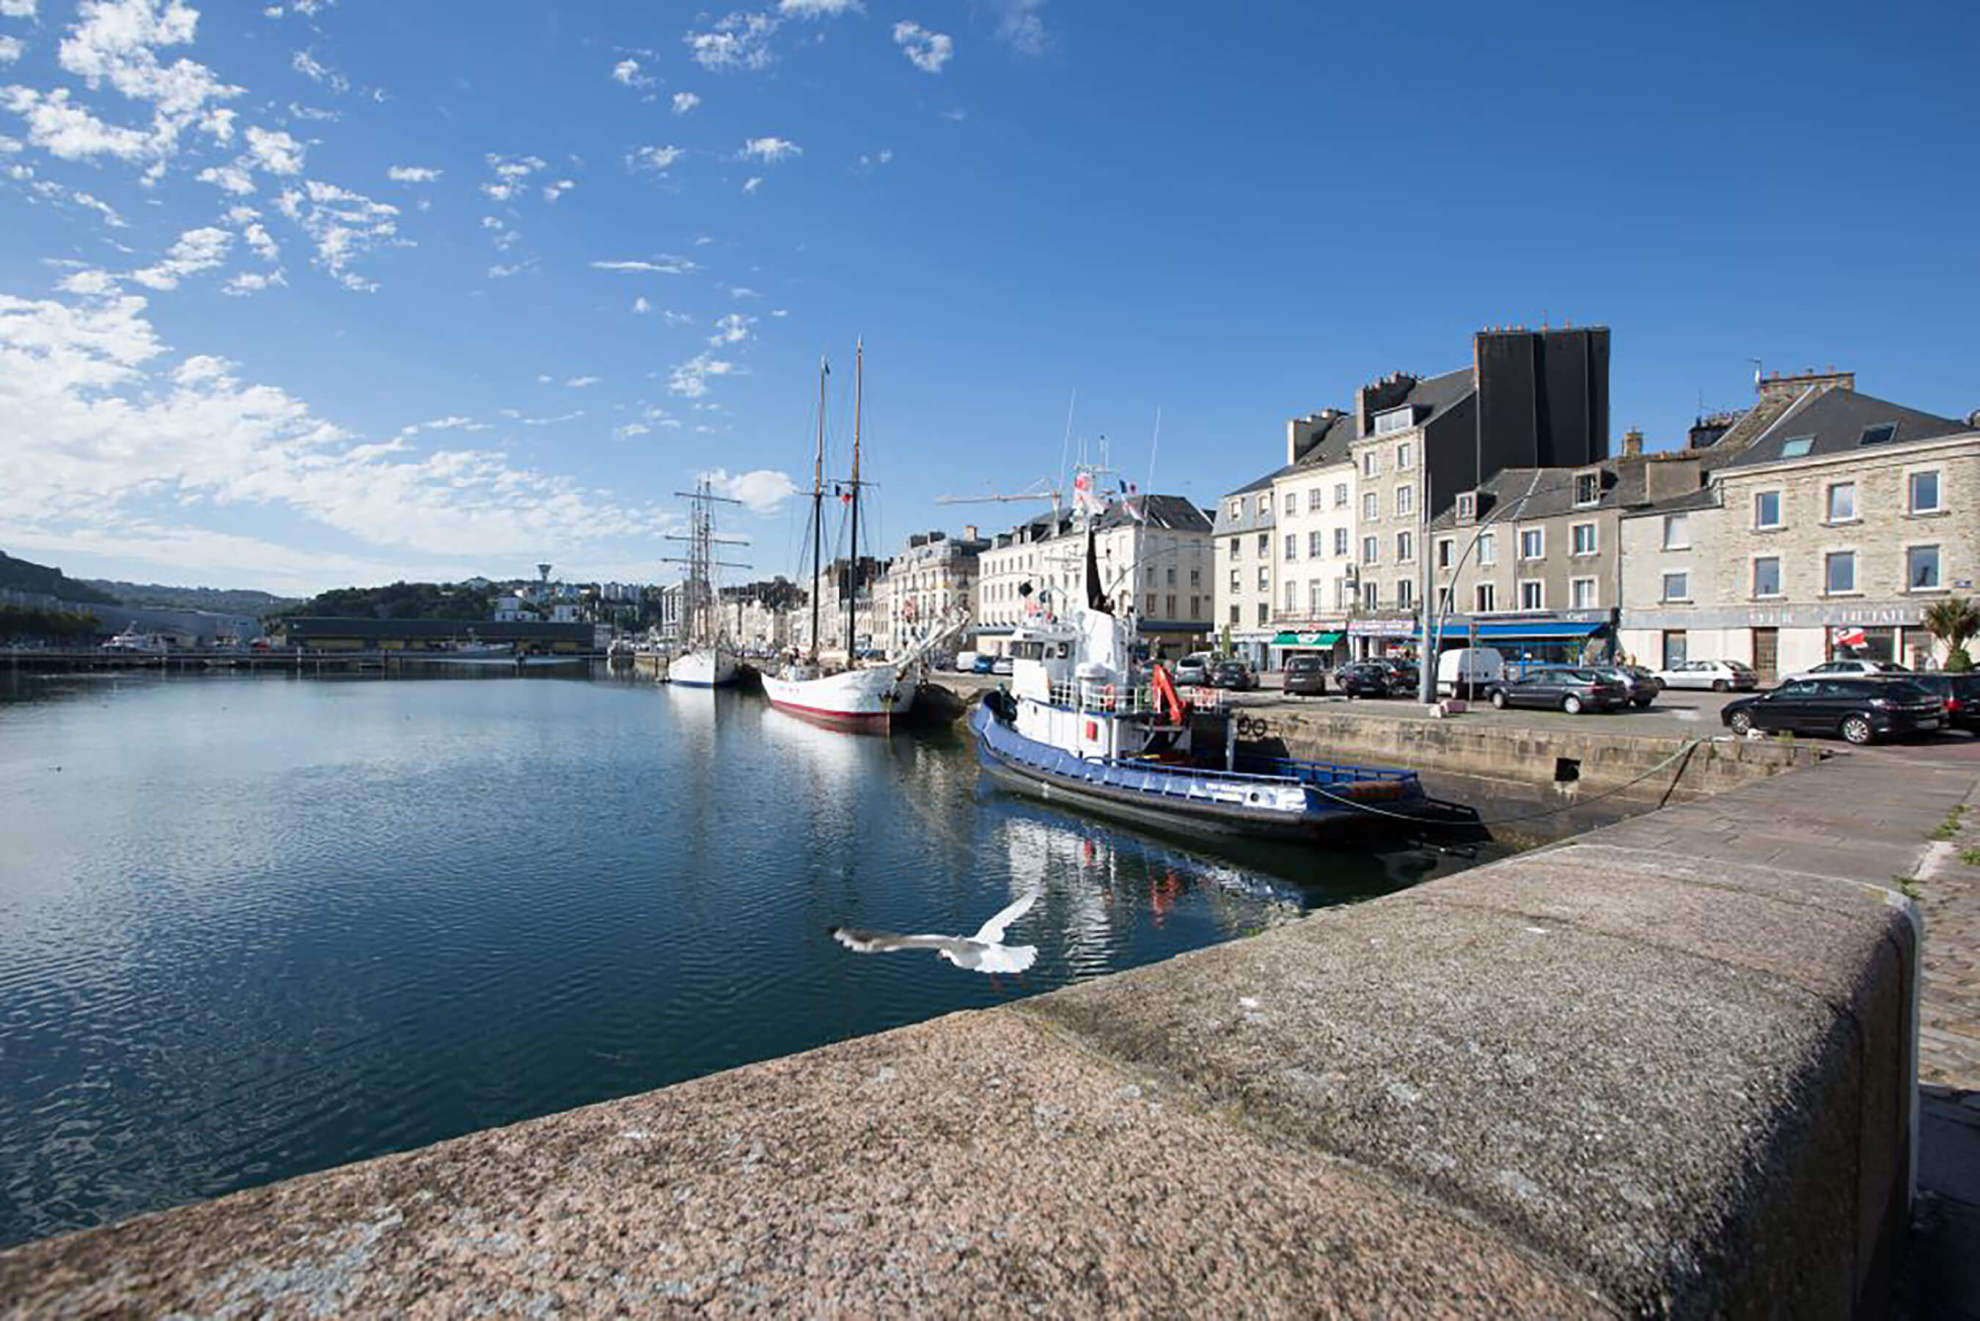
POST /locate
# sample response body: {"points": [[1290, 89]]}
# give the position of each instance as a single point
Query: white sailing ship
{"points": [[709, 660]]}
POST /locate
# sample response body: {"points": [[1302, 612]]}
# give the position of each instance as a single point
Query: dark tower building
{"points": [[1543, 398]]}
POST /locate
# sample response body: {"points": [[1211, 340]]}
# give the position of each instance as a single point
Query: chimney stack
{"points": [[969, 532], [1632, 444]]}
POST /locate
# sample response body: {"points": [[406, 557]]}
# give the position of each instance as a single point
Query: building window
{"points": [[1405, 457], [1196, 577], [1264, 544], [1236, 621], [1921, 568], [1677, 586], [1292, 504], [1237, 548], [1237, 583], [1877, 435], [1581, 594], [1340, 540], [1766, 509], [1292, 546], [1842, 502], [1171, 577], [1587, 488], [1581, 538], [1368, 463], [1445, 549], [1151, 575], [1196, 606], [1797, 447], [1767, 575], [1677, 532], [1533, 543], [1292, 596], [1264, 612], [1839, 572], [1316, 544], [1488, 549], [1405, 547], [1264, 578], [1316, 595], [1313, 500], [1396, 419], [1340, 495], [1405, 500], [1485, 598], [1467, 506], [1371, 549], [1404, 595], [1371, 595], [1237, 510], [1532, 594], [1371, 506], [1924, 489]]}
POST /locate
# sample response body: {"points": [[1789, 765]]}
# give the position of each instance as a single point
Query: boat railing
{"points": [[1127, 699]]}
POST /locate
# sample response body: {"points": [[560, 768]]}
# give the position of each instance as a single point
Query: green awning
{"points": [[1306, 639]]}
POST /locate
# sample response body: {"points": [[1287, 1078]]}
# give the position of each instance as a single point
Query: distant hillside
{"points": [[25, 576], [220, 600], [401, 600]]}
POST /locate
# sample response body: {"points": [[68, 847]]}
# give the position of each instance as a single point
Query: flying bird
{"points": [[983, 952]]}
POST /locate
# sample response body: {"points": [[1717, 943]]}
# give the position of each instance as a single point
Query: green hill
{"points": [[220, 600], [27, 576]]}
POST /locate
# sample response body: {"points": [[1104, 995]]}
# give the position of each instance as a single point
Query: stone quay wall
{"points": [[1665, 1068]]}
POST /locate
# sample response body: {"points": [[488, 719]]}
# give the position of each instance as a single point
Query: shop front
{"points": [[1784, 639], [1392, 638], [1540, 637], [1326, 643]]}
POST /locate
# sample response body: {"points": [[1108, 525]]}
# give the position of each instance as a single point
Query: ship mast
{"points": [[852, 571], [817, 507]]}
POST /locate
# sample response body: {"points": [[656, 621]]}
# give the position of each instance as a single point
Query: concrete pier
{"points": [[1664, 1068]]}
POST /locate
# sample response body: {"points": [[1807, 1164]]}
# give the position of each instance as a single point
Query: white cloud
{"points": [[779, 312], [819, 8], [627, 72], [510, 172], [10, 49], [275, 151], [751, 184], [738, 41], [71, 132], [412, 174], [927, 51], [581, 382], [684, 102], [640, 306], [762, 490], [501, 272], [770, 150], [673, 318], [630, 430], [228, 178], [343, 225], [1020, 28], [744, 291], [196, 250], [90, 283], [553, 191], [17, 8], [663, 264], [884, 156], [304, 63], [731, 329], [660, 159], [119, 425], [252, 282], [690, 379]]}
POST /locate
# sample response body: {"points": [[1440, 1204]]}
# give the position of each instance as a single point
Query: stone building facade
{"points": [[931, 575], [1314, 540], [1244, 573]]}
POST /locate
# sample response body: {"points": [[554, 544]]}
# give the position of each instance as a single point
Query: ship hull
{"points": [[703, 668], [858, 701]]}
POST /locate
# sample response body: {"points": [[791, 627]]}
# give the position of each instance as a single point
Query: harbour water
{"points": [[254, 926]]}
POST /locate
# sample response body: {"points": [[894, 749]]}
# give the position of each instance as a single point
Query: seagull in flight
{"points": [[984, 952]]}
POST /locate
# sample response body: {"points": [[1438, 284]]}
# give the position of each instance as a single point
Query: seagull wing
{"points": [[882, 942], [1004, 958], [992, 932]]}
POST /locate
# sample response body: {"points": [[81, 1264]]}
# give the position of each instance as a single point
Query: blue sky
{"points": [[301, 295]]}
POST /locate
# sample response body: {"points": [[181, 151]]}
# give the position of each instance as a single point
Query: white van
{"points": [[1465, 671], [965, 662]]}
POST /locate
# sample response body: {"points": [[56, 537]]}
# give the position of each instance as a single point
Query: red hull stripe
{"points": [[865, 720]]}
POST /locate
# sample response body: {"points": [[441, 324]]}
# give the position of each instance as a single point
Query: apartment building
{"points": [[932, 574], [1826, 535], [1027, 554], [1314, 535], [1244, 577]]}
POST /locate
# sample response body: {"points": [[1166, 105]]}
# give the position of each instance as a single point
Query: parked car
{"points": [[1959, 692], [1467, 671], [1642, 684], [984, 663], [1193, 668], [1235, 675], [1002, 665], [1572, 690], [1860, 710], [1369, 679], [1849, 669], [1306, 676], [1718, 675]]}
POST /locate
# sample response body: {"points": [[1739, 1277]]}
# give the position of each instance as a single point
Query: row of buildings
{"points": [[1816, 521]]}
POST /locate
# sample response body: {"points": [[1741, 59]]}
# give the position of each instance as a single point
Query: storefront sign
{"points": [[1381, 628], [1778, 616]]}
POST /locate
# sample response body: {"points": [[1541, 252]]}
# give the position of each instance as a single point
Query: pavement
{"points": [[1663, 1068]]}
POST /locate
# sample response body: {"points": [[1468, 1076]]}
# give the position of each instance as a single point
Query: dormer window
{"points": [[1467, 506], [1797, 447], [1587, 488], [1879, 434], [1396, 419]]}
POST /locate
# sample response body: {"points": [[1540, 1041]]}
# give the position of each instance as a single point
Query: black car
{"points": [[1235, 675], [1369, 679], [1570, 690], [1959, 692], [1306, 676], [1860, 710]]}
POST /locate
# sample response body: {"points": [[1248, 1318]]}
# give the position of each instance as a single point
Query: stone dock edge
{"points": [[1663, 1068]]}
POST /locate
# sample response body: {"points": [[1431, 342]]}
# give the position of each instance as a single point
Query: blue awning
{"points": [[1536, 631]]}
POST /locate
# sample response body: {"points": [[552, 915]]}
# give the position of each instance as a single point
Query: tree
{"points": [[1953, 621]]}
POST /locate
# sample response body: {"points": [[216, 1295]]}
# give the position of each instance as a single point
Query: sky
{"points": [[315, 293]]}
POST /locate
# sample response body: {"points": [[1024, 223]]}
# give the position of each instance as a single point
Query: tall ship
{"points": [[1084, 723], [707, 659], [863, 699]]}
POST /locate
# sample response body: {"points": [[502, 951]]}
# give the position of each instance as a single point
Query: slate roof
{"points": [[1325, 447], [1440, 394], [1552, 493], [1172, 512], [1836, 420]]}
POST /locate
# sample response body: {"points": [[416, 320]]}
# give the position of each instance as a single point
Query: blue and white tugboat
{"points": [[1081, 723]]}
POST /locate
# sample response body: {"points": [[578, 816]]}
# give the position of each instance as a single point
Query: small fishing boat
{"points": [[1081, 723]]}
